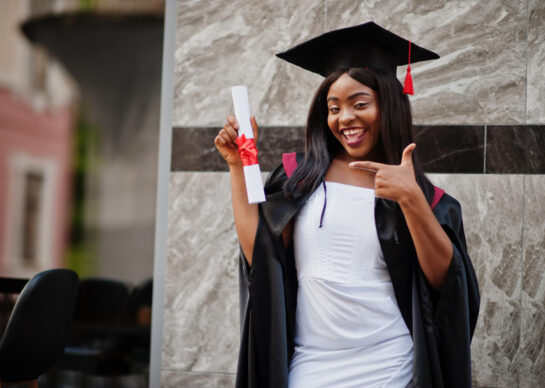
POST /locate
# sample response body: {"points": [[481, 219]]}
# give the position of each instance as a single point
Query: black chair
{"points": [[38, 327], [101, 300], [140, 298], [137, 318], [95, 343]]}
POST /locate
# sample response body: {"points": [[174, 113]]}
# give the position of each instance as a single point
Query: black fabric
{"points": [[38, 327], [441, 323], [364, 45]]}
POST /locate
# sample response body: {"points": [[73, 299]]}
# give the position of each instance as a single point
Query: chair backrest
{"points": [[140, 296], [39, 325], [101, 300]]}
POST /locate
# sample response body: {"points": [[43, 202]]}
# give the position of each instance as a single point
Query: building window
{"points": [[32, 203], [30, 221]]}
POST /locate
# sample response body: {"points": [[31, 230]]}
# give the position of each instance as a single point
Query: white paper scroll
{"points": [[252, 174]]}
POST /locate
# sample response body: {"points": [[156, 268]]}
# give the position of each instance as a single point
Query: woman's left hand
{"points": [[396, 183]]}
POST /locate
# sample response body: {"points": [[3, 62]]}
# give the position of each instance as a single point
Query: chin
{"points": [[358, 155]]}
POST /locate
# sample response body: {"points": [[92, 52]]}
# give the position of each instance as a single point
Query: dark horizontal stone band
{"points": [[475, 149]]}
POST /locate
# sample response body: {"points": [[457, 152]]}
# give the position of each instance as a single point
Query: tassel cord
{"points": [[325, 203], [408, 86]]}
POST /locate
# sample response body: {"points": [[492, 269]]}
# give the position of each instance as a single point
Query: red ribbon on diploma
{"points": [[247, 150]]}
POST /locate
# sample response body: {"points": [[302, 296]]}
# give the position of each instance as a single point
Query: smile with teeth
{"points": [[354, 131], [353, 136]]}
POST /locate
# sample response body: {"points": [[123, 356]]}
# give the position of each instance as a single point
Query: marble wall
{"points": [[536, 57], [504, 231], [489, 50], [480, 113], [496, 251]]}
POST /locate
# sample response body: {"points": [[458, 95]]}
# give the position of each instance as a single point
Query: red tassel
{"points": [[408, 87]]}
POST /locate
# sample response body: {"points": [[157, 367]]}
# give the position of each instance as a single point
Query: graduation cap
{"points": [[364, 45]]}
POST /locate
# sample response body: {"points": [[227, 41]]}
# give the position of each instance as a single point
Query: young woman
{"points": [[356, 266]]}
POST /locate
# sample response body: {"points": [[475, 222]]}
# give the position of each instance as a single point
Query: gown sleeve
{"points": [[445, 321], [262, 303], [273, 184]]}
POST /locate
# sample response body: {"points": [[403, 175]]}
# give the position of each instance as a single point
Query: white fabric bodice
{"points": [[349, 330]]}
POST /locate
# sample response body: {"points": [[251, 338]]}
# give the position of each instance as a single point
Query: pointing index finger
{"points": [[369, 166]]}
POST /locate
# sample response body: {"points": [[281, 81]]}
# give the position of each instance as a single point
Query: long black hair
{"points": [[321, 146]]}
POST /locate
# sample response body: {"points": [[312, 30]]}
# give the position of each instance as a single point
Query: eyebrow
{"points": [[350, 97]]}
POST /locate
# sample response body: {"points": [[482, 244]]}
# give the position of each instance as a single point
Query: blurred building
{"points": [[37, 101], [79, 118], [79, 125]]}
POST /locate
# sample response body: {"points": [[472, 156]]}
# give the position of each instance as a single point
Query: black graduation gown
{"points": [[441, 323]]}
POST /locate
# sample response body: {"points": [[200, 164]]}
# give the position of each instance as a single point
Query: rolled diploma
{"points": [[252, 174]]}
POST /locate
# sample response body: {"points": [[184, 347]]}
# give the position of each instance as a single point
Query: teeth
{"points": [[349, 132]]}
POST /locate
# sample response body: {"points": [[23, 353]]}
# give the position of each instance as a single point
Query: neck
{"points": [[374, 156], [339, 171]]}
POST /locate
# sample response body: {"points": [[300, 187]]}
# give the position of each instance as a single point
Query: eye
{"points": [[333, 109], [360, 105]]}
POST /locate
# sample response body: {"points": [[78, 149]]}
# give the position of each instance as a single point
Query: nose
{"points": [[346, 116]]}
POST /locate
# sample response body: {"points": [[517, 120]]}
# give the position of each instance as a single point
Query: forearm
{"points": [[433, 247], [245, 214]]}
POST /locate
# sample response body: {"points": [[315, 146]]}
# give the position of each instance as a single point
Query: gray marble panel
{"points": [[535, 107], [532, 353], [201, 311], [231, 42], [481, 75], [201, 315], [493, 215], [171, 379]]}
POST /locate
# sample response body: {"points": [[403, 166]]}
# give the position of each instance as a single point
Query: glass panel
{"points": [[79, 126]]}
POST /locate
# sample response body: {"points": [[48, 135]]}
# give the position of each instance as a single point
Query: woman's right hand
{"points": [[246, 215], [225, 140]]}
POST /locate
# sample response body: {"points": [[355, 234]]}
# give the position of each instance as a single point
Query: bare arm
{"points": [[433, 247], [245, 214]]}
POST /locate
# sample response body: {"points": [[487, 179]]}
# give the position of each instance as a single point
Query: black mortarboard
{"points": [[364, 45]]}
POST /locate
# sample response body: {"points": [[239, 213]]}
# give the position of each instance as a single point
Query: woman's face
{"points": [[354, 118]]}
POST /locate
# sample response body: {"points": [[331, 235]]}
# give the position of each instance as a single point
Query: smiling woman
{"points": [[354, 118], [386, 114], [356, 266]]}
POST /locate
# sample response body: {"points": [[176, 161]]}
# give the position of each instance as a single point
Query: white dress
{"points": [[349, 330]]}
